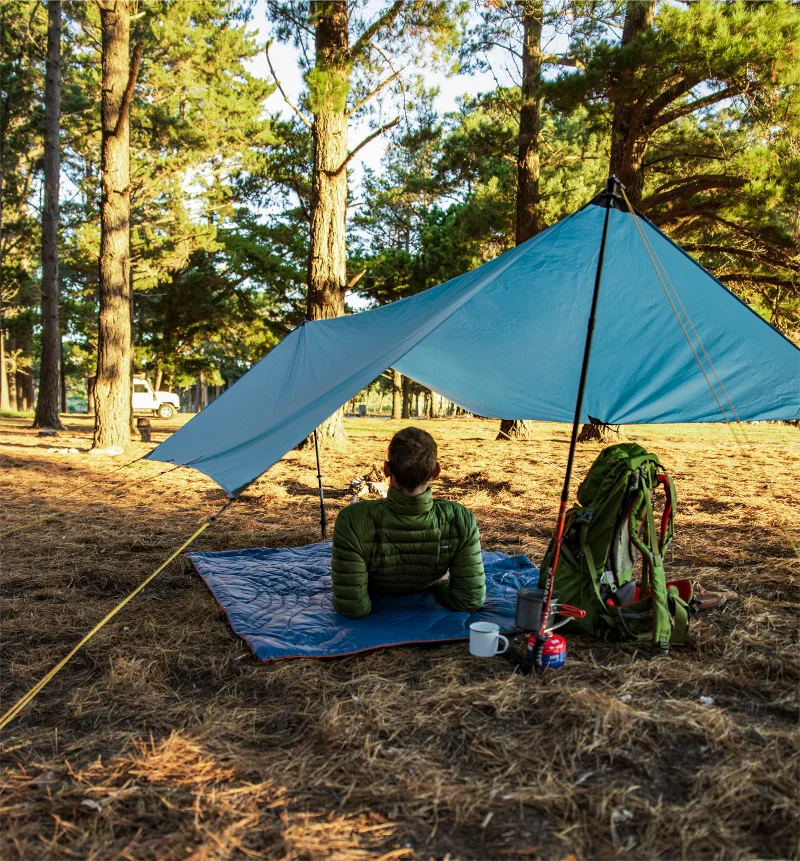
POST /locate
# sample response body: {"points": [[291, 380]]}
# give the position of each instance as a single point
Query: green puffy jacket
{"points": [[405, 544]]}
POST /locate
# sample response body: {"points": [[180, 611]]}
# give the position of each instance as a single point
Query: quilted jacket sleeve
{"points": [[349, 569], [465, 590]]}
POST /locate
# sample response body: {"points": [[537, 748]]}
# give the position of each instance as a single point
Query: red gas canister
{"points": [[554, 653]]}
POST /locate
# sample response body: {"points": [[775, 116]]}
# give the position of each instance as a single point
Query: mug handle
{"points": [[505, 648]]}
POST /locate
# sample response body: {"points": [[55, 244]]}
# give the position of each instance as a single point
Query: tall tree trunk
{"points": [[91, 404], [597, 431], [11, 373], [628, 144], [202, 391], [63, 376], [26, 392], [113, 383], [50, 373], [23, 346], [5, 398], [397, 394], [528, 163], [529, 124], [132, 354], [406, 410], [329, 84]]}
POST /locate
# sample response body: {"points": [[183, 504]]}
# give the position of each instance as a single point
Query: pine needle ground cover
{"points": [[162, 739]]}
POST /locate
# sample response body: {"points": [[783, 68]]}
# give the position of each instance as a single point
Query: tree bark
{"points": [[529, 124], [202, 391], [113, 382], [90, 406], [397, 394], [628, 147], [63, 376], [406, 410], [628, 143], [25, 390], [5, 382], [11, 376], [329, 84], [5, 398], [11, 372], [47, 406], [597, 431], [528, 162], [514, 429], [23, 345]]}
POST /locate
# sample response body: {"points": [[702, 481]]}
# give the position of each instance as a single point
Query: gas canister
{"points": [[554, 653]]}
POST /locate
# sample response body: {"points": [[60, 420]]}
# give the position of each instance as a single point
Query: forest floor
{"points": [[164, 739]]}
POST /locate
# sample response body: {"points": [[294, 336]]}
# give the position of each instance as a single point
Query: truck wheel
{"points": [[166, 411]]}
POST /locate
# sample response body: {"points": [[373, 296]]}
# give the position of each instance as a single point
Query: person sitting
{"points": [[409, 541]]}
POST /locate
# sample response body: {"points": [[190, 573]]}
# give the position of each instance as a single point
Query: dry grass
{"points": [[163, 740]]}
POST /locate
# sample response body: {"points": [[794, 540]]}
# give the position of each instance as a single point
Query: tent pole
{"points": [[611, 193], [323, 518]]}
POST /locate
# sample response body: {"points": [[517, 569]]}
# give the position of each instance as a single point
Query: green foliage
{"points": [[23, 36], [716, 88], [196, 115], [221, 193], [328, 89], [384, 36]]}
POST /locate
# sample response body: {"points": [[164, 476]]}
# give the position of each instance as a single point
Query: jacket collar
{"points": [[407, 505]]}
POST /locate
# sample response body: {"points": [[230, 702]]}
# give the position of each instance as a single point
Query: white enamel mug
{"points": [[483, 640]]}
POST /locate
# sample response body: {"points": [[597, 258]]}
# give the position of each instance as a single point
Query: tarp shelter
{"points": [[507, 340]]}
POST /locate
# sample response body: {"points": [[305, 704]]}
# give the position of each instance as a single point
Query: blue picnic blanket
{"points": [[278, 600]]}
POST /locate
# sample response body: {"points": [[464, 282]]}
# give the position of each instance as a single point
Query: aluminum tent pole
{"points": [[323, 517], [610, 194]]}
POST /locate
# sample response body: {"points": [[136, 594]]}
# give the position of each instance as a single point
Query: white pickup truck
{"points": [[145, 400]]}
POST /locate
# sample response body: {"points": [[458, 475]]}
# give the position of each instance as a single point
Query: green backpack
{"points": [[612, 523]]}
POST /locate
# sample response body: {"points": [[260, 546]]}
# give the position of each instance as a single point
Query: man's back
{"points": [[405, 544]]}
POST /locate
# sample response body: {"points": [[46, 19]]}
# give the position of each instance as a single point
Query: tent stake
{"points": [[323, 518], [611, 193]]}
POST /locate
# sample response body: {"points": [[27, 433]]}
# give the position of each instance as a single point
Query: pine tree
{"points": [[197, 112], [705, 127], [352, 64], [49, 399], [114, 347], [22, 43], [519, 27], [528, 161], [625, 160]]}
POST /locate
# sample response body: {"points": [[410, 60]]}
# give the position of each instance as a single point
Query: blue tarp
{"points": [[507, 340], [278, 600]]}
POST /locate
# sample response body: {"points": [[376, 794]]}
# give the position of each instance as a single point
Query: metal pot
{"points": [[529, 609]]}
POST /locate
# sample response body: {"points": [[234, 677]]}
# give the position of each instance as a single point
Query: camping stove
{"points": [[554, 652]]}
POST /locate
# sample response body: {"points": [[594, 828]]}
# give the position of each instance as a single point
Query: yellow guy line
{"points": [[661, 274], [30, 523], [23, 701]]}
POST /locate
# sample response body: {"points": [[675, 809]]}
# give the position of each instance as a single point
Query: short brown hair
{"points": [[412, 457]]}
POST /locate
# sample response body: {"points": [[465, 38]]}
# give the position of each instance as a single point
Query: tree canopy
{"points": [[224, 192]]}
